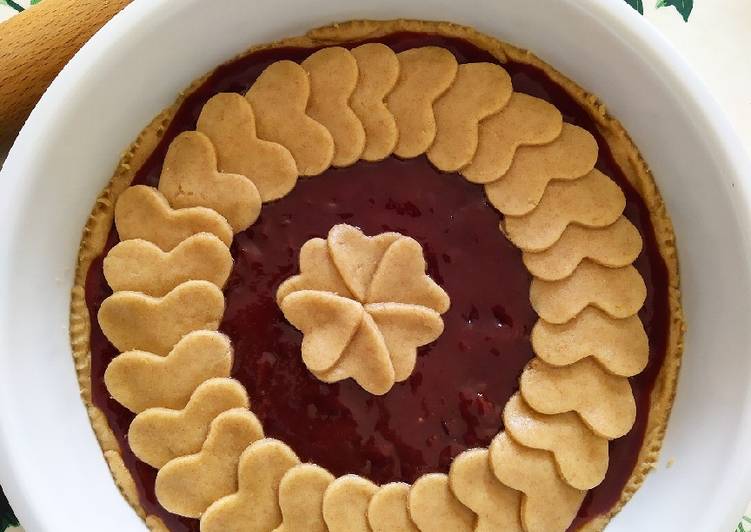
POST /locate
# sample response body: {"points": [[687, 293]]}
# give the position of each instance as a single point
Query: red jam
{"points": [[454, 399]]}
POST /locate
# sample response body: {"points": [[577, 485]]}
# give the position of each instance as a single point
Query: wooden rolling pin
{"points": [[34, 47]]}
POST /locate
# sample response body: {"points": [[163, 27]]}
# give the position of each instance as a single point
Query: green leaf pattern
{"points": [[13, 5], [7, 518], [636, 4], [683, 7], [744, 525], [9, 8]]}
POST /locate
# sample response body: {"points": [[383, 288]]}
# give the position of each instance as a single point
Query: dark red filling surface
{"points": [[454, 399]]}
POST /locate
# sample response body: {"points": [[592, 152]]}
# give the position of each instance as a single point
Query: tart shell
{"points": [[623, 150]]}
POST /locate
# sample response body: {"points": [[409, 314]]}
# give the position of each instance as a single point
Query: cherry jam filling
{"points": [[454, 399]]}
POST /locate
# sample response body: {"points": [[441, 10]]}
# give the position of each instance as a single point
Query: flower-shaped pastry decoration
{"points": [[364, 305]]}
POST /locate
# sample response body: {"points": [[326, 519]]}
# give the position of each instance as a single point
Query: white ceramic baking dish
{"points": [[50, 463]]}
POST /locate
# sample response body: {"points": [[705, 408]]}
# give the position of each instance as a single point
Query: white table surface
{"points": [[716, 41]]}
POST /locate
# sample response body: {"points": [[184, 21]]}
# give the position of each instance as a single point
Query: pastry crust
{"points": [[623, 149]]}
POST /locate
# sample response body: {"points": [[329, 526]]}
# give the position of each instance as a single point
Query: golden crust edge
{"points": [[93, 241], [624, 151]]}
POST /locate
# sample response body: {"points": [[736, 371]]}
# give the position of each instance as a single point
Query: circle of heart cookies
{"points": [[364, 302]]}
